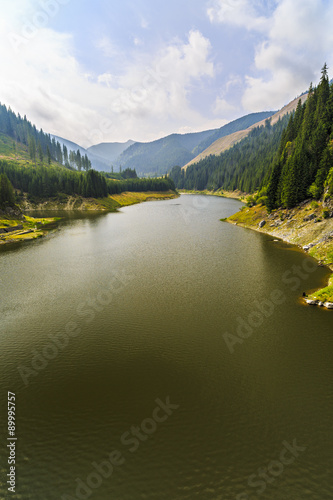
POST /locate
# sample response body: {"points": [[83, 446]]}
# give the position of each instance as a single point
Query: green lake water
{"points": [[111, 317]]}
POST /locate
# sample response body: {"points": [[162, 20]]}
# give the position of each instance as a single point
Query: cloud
{"points": [[295, 40], [137, 41], [42, 78], [223, 107], [241, 13], [106, 46], [106, 78]]}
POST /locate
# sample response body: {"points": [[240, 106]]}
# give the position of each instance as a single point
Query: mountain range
{"points": [[158, 157]]}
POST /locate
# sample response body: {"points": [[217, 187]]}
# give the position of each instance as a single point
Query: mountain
{"points": [[109, 151], [227, 141], [97, 162], [246, 160], [240, 124], [159, 156]]}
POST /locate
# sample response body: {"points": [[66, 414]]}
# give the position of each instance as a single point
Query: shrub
{"points": [[262, 200]]}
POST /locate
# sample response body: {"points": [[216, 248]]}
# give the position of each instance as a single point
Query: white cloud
{"points": [[137, 41], [223, 107], [106, 46], [106, 78], [297, 40], [242, 13], [42, 79]]}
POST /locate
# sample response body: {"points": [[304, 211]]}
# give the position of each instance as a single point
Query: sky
{"points": [[110, 71]]}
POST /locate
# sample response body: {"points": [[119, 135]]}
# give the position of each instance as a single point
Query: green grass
{"points": [[325, 294], [37, 225], [131, 198], [109, 203]]}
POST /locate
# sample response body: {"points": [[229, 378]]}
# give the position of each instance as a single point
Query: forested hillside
{"points": [[39, 145], [243, 167], [304, 167], [287, 163], [38, 166]]}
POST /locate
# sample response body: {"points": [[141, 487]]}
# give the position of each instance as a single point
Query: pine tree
{"points": [[32, 149], [7, 195], [48, 152], [40, 153]]}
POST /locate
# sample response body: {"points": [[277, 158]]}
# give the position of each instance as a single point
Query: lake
{"points": [[159, 353]]}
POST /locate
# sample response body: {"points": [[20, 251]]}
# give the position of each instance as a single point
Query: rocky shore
{"points": [[309, 226]]}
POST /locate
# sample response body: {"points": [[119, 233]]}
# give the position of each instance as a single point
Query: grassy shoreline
{"points": [[22, 227], [115, 201], [304, 226], [234, 195]]}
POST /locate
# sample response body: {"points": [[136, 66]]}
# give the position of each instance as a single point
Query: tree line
{"points": [[46, 182]]}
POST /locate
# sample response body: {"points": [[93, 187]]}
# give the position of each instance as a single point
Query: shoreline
{"points": [[25, 228], [233, 195], [17, 226], [303, 226]]}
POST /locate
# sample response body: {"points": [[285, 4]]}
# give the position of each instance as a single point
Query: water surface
{"points": [[150, 294]]}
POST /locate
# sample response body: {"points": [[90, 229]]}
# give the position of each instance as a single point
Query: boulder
{"points": [[328, 305], [262, 224], [311, 302]]}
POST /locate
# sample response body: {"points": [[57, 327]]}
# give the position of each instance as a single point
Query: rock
{"points": [[306, 248], [309, 217], [328, 305], [262, 224], [312, 302], [320, 304]]}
